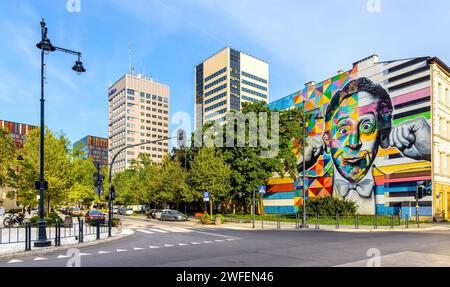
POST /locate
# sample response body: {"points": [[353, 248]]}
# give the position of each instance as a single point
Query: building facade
{"points": [[138, 113], [95, 148], [18, 133], [225, 80], [378, 131]]}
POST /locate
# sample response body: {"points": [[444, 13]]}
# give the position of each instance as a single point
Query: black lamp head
{"points": [[78, 67]]}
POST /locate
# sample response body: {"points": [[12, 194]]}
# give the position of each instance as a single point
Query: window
{"points": [[159, 99], [254, 85], [215, 82], [210, 77], [440, 95], [142, 94], [215, 90], [254, 93], [215, 106], [130, 92], [130, 98], [254, 77]]}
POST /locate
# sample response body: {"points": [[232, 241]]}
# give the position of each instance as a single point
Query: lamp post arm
{"points": [[64, 50]]}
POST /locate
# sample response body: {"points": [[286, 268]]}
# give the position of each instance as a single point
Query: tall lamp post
{"points": [[46, 47]]}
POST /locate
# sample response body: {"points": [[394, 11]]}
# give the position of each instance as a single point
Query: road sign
{"points": [[262, 189], [206, 196]]}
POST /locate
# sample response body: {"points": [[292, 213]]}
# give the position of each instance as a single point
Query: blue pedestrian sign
{"points": [[206, 196], [262, 189]]}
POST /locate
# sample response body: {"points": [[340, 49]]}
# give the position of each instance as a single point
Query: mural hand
{"points": [[413, 139], [313, 150]]}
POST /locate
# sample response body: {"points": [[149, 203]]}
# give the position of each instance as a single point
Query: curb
{"points": [[65, 247]]}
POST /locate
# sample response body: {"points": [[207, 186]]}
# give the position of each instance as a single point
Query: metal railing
{"points": [[55, 231]]}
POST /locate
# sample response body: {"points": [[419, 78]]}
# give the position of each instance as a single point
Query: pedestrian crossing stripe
{"points": [[15, 261], [158, 230], [145, 231]]}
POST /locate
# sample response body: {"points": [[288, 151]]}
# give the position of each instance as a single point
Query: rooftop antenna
{"points": [[130, 64]]}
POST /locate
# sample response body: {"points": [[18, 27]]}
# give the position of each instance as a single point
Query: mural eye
{"points": [[343, 131], [367, 127]]}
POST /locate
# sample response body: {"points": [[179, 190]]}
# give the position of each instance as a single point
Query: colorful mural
{"points": [[367, 142]]}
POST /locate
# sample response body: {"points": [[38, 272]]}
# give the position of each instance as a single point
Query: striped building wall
{"points": [[395, 175], [18, 131], [95, 148]]}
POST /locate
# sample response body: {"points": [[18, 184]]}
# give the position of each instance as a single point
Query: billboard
{"points": [[368, 139]]}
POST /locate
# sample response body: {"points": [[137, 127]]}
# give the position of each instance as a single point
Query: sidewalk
{"points": [[11, 249]]}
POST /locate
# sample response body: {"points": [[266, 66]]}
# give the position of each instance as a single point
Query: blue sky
{"points": [[301, 40]]}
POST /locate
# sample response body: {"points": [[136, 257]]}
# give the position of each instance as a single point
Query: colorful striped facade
{"points": [[408, 83], [18, 131], [95, 148]]}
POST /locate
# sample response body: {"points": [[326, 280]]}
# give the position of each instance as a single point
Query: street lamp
{"points": [[46, 47]]}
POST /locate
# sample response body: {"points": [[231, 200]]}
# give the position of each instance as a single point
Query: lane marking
{"points": [[39, 259], [145, 231], [62, 256], [121, 250], [103, 252], [231, 239], [158, 230], [85, 254], [175, 229], [182, 244], [15, 261], [138, 248], [153, 247], [195, 243], [168, 245], [207, 241], [218, 235], [219, 240]]}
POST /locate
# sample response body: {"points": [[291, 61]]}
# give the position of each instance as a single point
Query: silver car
{"points": [[173, 215]]}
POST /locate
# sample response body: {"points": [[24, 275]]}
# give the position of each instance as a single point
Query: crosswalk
{"points": [[166, 229]]}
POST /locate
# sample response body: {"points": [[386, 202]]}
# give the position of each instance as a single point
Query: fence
{"points": [[55, 232], [280, 222]]}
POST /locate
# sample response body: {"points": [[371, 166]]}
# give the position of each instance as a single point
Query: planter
{"points": [[218, 221]]}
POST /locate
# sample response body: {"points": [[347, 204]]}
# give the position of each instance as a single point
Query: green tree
{"points": [[57, 169], [209, 172], [6, 155]]}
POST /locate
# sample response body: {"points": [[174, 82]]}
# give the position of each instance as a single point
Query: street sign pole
{"points": [[253, 208]]}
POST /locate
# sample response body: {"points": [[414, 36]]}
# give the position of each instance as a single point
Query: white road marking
{"points": [[15, 261], [219, 240], [230, 239], [62, 256], [175, 229], [182, 244], [39, 259], [207, 241], [195, 243], [218, 235], [103, 252], [158, 230], [85, 254], [168, 245], [121, 250], [145, 231], [138, 248], [153, 247]]}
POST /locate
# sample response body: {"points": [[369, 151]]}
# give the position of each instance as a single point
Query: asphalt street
{"points": [[156, 243]]}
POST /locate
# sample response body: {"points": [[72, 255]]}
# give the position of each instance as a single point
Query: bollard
{"points": [[278, 222], [375, 222], [57, 233], [392, 221], [262, 221], [27, 236], [337, 220], [357, 221], [406, 221], [418, 219], [80, 232], [317, 221], [296, 221], [98, 230]]}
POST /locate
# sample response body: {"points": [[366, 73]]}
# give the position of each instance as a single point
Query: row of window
{"points": [[443, 164], [213, 83], [215, 90], [215, 74], [254, 85], [215, 106], [254, 77], [215, 98], [443, 97], [216, 113], [443, 128], [144, 95], [254, 93], [253, 100]]}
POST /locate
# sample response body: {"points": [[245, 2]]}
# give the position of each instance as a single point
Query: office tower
{"points": [[95, 148]]}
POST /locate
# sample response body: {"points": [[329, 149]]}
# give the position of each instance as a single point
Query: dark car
{"points": [[95, 215], [152, 213], [173, 215]]}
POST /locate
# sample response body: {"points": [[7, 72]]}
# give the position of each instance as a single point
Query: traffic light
{"points": [[421, 192], [98, 182]]}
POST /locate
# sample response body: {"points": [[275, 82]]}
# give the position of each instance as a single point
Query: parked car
{"points": [[95, 214], [121, 211], [129, 211], [173, 215], [159, 212], [152, 213], [75, 211], [115, 210]]}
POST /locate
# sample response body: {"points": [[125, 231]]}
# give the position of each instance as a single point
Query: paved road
{"points": [[156, 243]]}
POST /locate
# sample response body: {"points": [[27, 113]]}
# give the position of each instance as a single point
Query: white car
{"points": [[129, 211]]}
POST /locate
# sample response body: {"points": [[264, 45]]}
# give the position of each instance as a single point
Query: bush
{"points": [[96, 221], [13, 210], [115, 222], [223, 218], [205, 219], [49, 220], [329, 206]]}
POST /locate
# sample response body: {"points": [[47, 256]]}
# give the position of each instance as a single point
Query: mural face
{"points": [[372, 146]]}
